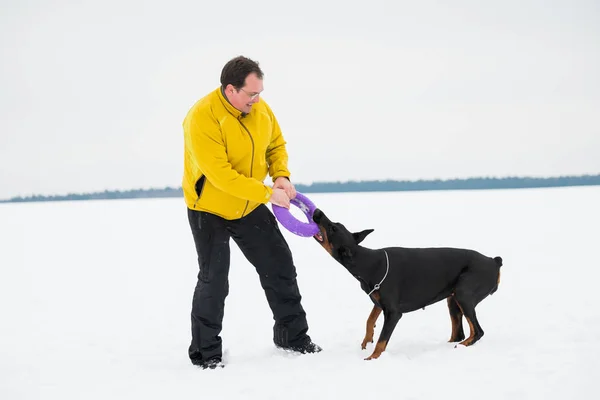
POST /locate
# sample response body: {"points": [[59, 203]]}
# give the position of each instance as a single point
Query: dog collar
{"points": [[387, 268]]}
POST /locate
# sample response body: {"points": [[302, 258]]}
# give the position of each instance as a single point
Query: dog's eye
{"points": [[333, 228]]}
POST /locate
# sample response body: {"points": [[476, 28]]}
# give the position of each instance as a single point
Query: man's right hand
{"points": [[280, 198]]}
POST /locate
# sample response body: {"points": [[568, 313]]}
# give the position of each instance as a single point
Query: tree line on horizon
{"points": [[349, 186]]}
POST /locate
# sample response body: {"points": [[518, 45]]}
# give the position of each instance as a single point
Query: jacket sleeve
{"points": [[209, 153], [277, 156]]}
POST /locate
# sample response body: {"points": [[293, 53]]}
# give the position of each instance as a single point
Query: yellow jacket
{"points": [[228, 155]]}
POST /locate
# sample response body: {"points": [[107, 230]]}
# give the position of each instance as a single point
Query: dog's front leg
{"points": [[390, 319], [371, 326]]}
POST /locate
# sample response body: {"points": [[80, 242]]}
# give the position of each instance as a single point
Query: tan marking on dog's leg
{"points": [[498, 281], [468, 341], [449, 300], [455, 319], [379, 348], [375, 312]]}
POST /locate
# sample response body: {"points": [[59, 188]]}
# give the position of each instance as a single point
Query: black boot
{"points": [[307, 347], [211, 363]]}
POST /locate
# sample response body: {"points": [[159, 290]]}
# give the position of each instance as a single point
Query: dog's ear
{"points": [[360, 236], [345, 252]]}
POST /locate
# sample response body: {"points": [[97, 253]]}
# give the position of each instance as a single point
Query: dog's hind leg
{"points": [[467, 306], [456, 315], [390, 319], [371, 326]]}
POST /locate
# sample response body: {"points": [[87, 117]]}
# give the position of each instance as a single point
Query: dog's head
{"points": [[336, 239]]}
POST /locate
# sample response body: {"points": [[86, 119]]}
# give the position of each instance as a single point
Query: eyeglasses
{"points": [[252, 96]]}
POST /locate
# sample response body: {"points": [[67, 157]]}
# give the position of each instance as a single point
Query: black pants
{"points": [[261, 241]]}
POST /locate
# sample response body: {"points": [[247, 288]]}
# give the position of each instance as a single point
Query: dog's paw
{"points": [[373, 356]]}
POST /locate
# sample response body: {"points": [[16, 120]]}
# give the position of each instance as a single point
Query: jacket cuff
{"points": [[268, 193], [281, 176]]}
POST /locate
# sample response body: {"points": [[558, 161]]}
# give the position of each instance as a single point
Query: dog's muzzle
{"points": [[319, 237], [316, 217]]}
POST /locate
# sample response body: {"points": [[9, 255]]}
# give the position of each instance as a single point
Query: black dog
{"points": [[400, 280]]}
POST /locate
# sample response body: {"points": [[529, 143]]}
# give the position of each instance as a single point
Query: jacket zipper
{"points": [[251, 160]]}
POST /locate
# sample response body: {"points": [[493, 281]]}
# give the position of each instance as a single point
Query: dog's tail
{"points": [[498, 261]]}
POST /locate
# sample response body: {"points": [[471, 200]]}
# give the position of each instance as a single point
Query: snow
{"points": [[95, 299]]}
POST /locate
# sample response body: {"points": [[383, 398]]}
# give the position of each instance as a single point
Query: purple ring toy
{"points": [[297, 227]]}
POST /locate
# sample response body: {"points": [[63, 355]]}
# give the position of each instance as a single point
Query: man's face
{"points": [[244, 98]]}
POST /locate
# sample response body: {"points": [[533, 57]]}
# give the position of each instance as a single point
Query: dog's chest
{"points": [[375, 298], [363, 284]]}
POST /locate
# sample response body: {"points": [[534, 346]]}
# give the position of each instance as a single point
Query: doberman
{"points": [[400, 280]]}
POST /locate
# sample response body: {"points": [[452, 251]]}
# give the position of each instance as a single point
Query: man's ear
{"points": [[360, 236], [345, 252]]}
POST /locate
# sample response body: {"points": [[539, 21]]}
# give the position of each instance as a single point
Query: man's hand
{"points": [[285, 184], [280, 198]]}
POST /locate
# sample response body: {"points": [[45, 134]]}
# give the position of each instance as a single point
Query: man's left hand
{"points": [[285, 184]]}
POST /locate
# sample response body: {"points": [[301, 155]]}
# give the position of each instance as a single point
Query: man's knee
{"points": [[210, 295]]}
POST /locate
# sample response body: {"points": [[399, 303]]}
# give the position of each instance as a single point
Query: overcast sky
{"points": [[93, 93]]}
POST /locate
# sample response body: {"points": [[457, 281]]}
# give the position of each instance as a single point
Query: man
{"points": [[232, 140]]}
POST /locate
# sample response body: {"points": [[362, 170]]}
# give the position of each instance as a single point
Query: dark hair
{"points": [[237, 69]]}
